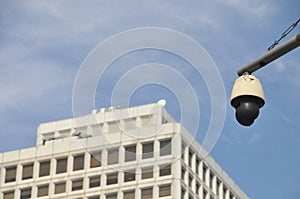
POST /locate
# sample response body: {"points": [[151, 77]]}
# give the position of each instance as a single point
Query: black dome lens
{"points": [[247, 112]]}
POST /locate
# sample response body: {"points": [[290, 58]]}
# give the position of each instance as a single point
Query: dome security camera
{"points": [[247, 98]]}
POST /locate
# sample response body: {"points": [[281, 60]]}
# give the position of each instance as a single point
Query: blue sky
{"points": [[43, 44]]}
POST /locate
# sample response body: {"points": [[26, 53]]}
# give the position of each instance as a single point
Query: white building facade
{"points": [[134, 153]]}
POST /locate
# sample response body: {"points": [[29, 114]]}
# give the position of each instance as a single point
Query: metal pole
{"points": [[270, 56]]}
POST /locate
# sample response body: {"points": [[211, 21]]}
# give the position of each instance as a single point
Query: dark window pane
{"points": [[112, 196], [129, 176], [112, 178], [197, 165], [77, 184], [95, 159], [165, 170], [165, 147], [78, 163], [197, 188], [43, 190], [191, 178], [9, 195], [218, 187], [148, 150], [204, 173], [129, 194], [112, 156], [183, 193], [27, 171], [204, 193], [211, 178], [44, 168], [147, 173], [10, 174], [191, 154], [94, 181], [164, 190], [183, 173], [147, 193], [26, 193], [130, 153], [183, 149], [60, 187], [94, 197], [61, 165]]}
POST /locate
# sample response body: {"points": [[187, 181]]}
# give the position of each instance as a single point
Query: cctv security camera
{"points": [[247, 98]]}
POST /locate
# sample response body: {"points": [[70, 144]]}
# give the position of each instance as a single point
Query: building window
{"points": [[130, 153], [191, 154], [43, 190], [27, 171], [165, 147], [148, 150], [25, 193], [197, 165], [112, 178], [211, 180], [224, 191], [113, 156], [10, 174], [147, 172], [44, 168], [61, 165], [183, 173], [218, 187], [77, 184], [94, 181], [183, 193], [183, 148], [112, 196], [204, 173], [164, 190], [129, 194], [129, 176], [78, 162], [198, 188], [95, 159], [147, 193], [205, 193], [191, 178], [60, 187], [9, 195], [165, 170], [94, 197]]}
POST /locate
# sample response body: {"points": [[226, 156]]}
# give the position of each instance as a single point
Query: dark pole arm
{"points": [[270, 56]]}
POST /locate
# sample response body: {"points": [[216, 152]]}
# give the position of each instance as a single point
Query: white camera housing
{"points": [[247, 98]]}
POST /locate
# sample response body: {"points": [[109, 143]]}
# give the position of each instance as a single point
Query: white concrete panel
{"points": [[10, 156], [28, 153], [45, 150]]}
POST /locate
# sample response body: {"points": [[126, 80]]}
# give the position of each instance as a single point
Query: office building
{"points": [[132, 153]]}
